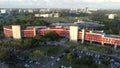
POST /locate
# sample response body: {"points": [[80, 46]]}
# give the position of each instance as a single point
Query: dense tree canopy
{"points": [[111, 26], [52, 36], [4, 53]]}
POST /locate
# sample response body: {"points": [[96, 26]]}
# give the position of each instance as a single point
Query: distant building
{"points": [[78, 23], [56, 15], [73, 10], [37, 15], [24, 10], [92, 9], [47, 15], [30, 11], [3, 11], [20, 10], [111, 16], [45, 10], [87, 10]]}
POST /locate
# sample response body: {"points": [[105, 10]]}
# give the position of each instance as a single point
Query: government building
{"points": [[72, 32]]}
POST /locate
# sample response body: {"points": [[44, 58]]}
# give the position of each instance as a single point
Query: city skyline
{"points": [[95, 4]]}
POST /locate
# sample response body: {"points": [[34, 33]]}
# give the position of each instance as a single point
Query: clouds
{"points": [[84, 3], [2, 2], [114, 1], [24, 3], [64, 3], [101, 1], [59, 3], [93, 1]]}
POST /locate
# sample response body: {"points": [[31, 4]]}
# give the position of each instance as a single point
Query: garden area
{"points": [[92, 47]]}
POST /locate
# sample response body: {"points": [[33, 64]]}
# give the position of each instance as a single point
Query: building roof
{"points": [[87, 24], [112, 36], [98, 32], [63, 24]]}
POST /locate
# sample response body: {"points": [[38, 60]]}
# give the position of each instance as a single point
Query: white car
{"points": [[30, 61], [70, 67], [58, 59], [52, 64], [37, 63], [26, 65], [52, 57]]}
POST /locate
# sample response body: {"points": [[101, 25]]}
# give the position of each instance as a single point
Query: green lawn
{"points": [[67, 63], [100, 49], [38, 52], [12, 65], [56, 20]]}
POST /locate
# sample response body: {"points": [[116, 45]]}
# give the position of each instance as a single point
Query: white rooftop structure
{"points": [[3, 11], [111, 16]]}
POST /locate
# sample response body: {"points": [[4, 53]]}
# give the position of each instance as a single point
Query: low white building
{"points": [[56, 15], [44, 10], [47, 15], [111, 16], [2, 11], [30, 10], [43, 15], [37, 15], [20, 10]]}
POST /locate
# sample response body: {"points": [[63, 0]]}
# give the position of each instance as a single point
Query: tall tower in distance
{"points": [[86, 9]]}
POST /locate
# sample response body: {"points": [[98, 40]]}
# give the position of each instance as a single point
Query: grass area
{"points": [[38, 52], [56, 20], [101, 49], [67, 63], [49, 19], [20, 17], [12, 65], [82, 64]]}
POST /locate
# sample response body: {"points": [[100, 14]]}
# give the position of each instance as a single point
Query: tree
{"points": [[52, 36], [67, 50], [38, 38], [4, 53], [69, 57], [27, 42], [37, 54], [111, 26], [106, 61]]}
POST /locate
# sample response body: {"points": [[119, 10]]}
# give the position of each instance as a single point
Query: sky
{"points": [[95, 4]]}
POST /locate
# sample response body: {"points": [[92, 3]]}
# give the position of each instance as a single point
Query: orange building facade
{"points": [[90, 36]]}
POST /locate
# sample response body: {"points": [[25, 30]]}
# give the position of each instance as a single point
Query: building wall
{"points": [[3, 11], [8, 32], [16, 29], [74, 33], [28, 32], [60, 31], [16, 32], [93, 37], [112, 41], [111, 16], [83, 36]]}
